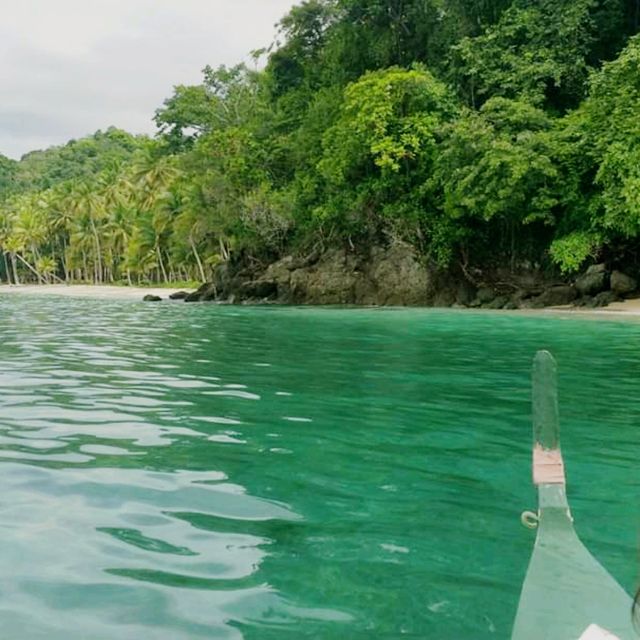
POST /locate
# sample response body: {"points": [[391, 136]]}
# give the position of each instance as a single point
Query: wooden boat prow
{"points": [[566, 590]]}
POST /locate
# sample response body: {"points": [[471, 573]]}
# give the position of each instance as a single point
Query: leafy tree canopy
{"points": [[78, 158], [478, 130]]}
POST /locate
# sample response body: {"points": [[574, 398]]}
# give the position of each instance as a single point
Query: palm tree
{"points": [[61, 208], [153, 179], [191, 228], [141, 257], [117, 229], [5, 232], [46, 267], [88, 204], [30, 224]]}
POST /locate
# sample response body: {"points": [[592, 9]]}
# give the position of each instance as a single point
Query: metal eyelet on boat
{"points": [[529, 519]]}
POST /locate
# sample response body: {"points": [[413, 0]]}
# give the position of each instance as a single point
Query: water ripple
{"points": [[180, 471]]}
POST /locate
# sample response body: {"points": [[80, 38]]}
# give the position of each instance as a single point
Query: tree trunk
{"points": [[65, 267], [224, 252], [195, 253], [15, 268], [6, 267], [32, 269], [98, 263], [161, 263]]}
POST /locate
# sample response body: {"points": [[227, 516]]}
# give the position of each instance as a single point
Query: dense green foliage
{"points": [[486, 132]]}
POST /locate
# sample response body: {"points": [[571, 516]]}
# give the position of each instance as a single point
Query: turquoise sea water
{"points": [[179, 471]]}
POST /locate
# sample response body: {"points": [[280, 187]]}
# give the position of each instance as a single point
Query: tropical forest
{"points": [[486, 138], [320, 319]]}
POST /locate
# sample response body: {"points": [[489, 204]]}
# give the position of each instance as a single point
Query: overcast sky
{"points": [[70, 67]]}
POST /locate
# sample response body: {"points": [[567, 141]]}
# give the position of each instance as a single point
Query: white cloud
{"points": [[70, 67]]}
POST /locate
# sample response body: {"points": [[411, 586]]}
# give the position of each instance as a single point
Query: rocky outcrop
{"points": [[594, 281], [395, 275], [205, 293], [332, 280], [622, 284], [258, 289], [601, 299], [178, 295], [465, 293], [556, 296], [385, 276], [398, 277], [486, 295], [151, 298]]}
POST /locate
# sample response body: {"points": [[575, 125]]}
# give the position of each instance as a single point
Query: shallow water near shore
{"points": [[179, 471]]}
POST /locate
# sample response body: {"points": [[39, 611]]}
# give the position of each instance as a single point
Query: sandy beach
{"points": [[629, 308], [626, 307], [88, 291]]}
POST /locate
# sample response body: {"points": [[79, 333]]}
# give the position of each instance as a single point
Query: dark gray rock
{"points": [[444, 298], [605, 298], [222, 278], [521, 297], [178, 295], [331, 281], [259, 289], [210, 293], [594, 281], [485, 295], [390, 276], [584, 301], [498, 302], [386, 276], [278, 275], [151, 298], [202, 293], [397, 276], [280, 271], [529, 285], [529, 303], [622, 283], [556, 296], [465, 293], [601, 299]]}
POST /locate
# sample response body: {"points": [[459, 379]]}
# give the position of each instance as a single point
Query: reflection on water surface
{"points": [[180, 471]]}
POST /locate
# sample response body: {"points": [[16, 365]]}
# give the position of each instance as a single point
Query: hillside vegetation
{"points": [[484, 133]]}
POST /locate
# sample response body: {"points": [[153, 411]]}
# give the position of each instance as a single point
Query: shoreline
{"points": [[99, 291], [626, 308], [630, 308]]}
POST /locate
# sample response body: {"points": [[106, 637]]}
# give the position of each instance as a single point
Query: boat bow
{"points": [[566, 590]]}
